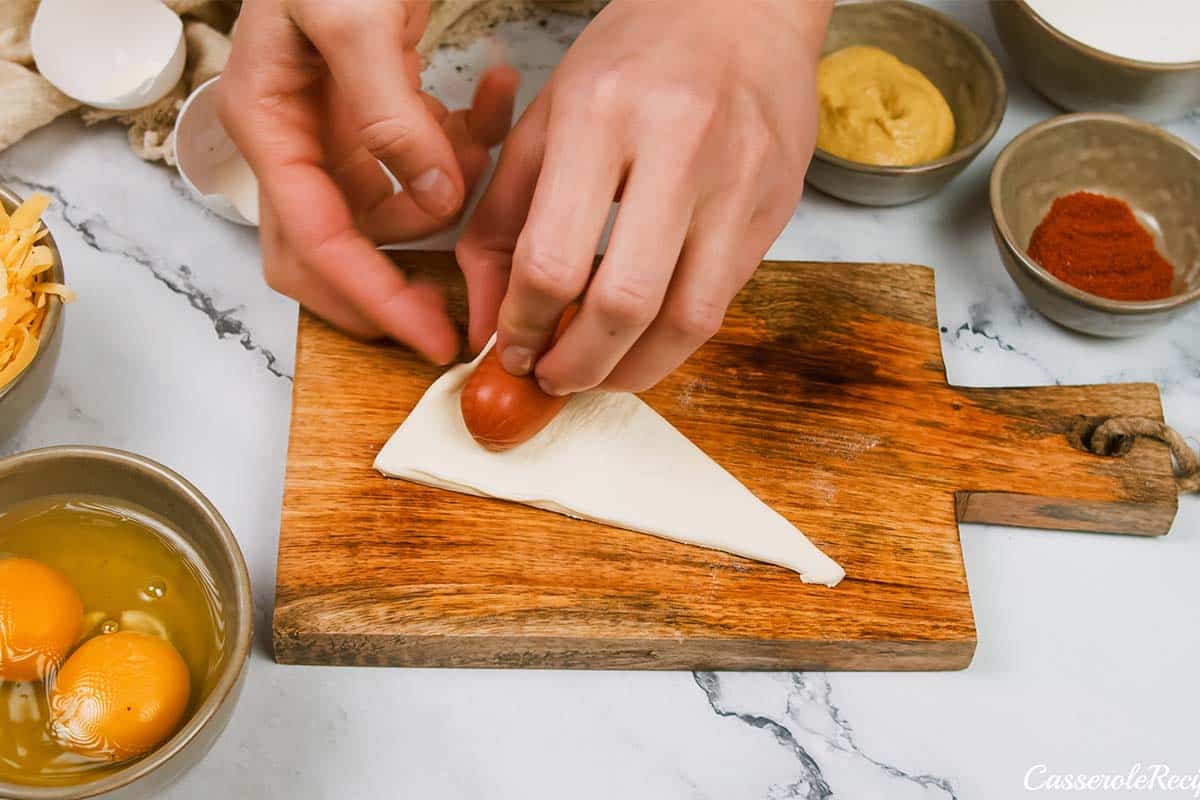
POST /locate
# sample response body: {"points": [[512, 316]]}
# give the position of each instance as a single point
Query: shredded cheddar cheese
{"points": [[24, 294]]}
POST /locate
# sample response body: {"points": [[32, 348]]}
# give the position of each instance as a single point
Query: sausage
{"points": [[502, 410]]}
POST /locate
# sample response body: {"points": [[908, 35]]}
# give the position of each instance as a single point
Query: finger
{"points": [[437, 109], [627, 291], [490, 116], [485, 249], [318, 226], [272, 114], [415, 21], [368, 63], [363, 181], [397, 218], [473, 156], [555, 251], [719, 256], [412, 68], [286, 275]]}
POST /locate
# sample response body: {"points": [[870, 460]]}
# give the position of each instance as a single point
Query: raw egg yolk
{"points": [[41, 617], [119, 695]]}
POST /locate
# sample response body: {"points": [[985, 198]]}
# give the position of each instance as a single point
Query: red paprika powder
{"points": [[1095, 243]]}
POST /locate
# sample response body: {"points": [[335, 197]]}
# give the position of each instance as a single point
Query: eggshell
{"points": [[209, 162], [117, 54]]}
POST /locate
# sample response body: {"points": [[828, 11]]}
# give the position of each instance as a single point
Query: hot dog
{"points": [[502, 410]]}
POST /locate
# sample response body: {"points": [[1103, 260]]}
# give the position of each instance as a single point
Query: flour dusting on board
{"points": [[684, 398]]}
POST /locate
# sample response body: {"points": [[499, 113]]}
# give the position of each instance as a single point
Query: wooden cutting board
{"points": [[824, 393]]}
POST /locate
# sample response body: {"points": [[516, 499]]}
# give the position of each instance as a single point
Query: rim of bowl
{"points": [[9, 197], [964, 153], [1104, 55], [233, 667], [1035, 269]]}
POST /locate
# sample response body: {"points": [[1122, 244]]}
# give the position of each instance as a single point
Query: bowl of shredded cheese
{"points": [[32, 294]]}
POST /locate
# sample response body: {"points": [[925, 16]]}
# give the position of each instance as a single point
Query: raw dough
{"points": [[607, 458]]}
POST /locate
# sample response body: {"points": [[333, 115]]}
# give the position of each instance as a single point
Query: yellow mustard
{"points": [[875, 109]]}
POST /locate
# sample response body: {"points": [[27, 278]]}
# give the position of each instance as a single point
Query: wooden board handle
{"points": [[1026, 462]]}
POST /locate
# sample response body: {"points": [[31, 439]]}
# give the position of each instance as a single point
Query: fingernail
{"points": [[436, 192], [550, 388], [517, 360]]}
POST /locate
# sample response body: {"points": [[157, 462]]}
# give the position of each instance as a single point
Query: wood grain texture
{"points": [[824, 393]]}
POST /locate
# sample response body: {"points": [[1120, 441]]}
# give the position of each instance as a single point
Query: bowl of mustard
{"points": [[908, 98]]}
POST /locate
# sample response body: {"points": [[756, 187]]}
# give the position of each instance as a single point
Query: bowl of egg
{"points": [[1141, 59], [908, 98], [125, 625]]}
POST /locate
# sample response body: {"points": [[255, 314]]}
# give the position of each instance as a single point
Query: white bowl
{"points": [[209, 161]]}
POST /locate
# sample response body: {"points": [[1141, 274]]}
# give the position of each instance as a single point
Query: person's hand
{"points": [[700, 117], [313, 94]]}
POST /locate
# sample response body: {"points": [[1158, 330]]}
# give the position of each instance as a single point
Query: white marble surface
{"points": [[1088, 644]]}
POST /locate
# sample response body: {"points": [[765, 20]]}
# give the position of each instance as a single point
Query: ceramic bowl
{"points": [[954, 59], [77, 470], [209, 161], [21, 396], [1157, 174], [1081, 78]]}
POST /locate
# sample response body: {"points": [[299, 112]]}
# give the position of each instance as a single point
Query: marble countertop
{"points": [[1088, 644]]}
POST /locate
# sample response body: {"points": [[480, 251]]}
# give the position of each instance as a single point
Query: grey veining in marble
{"points": [[1087, 644]]}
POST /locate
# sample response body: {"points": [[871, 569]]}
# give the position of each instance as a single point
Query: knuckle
{"points": [[606, 88], [468, 253], [404, 12], [279, 280], [689, 107], [360, 329], [339, 23], [629, 376], [625, 304], [579, 376], [228, 102], [599, 95], [635, 386], [474, 256], [700, 108], [388, 138], [548, 273], [696, 321], [757, 141]]}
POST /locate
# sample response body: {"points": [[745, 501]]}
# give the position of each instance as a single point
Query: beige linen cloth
{"points": [[28, 101]]}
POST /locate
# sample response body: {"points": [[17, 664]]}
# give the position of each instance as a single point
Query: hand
{"points": [[700, 117], [313, 94]]}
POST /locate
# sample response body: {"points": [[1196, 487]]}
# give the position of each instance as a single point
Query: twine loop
{"points": [[1116, 435]]}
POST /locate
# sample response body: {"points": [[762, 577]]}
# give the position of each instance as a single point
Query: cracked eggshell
{"points": [[117, 54], [209, 162]]}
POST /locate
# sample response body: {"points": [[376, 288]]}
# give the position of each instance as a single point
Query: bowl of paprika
{"points": [[1097, 218]]}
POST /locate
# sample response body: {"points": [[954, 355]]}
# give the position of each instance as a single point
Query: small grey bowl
{"points": [[1077, 77], [1157, 174], [21, 397], [954, 59], [97, 471]]}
